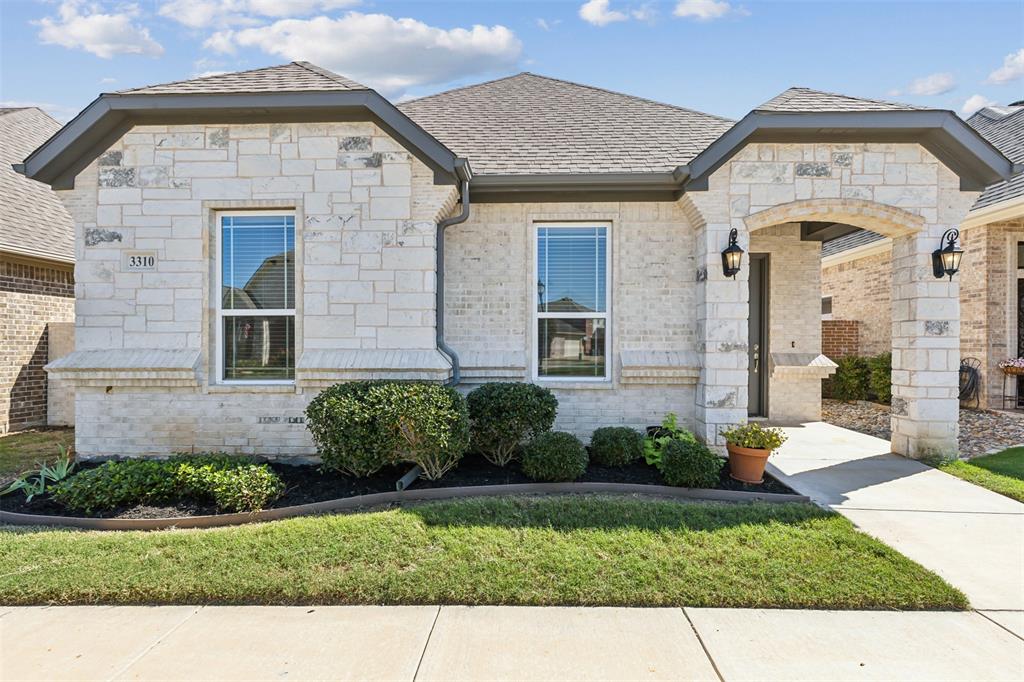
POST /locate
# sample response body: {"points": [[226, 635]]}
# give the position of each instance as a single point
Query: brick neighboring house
{"points": [[246, 239], [37, 286], [857, 269]]}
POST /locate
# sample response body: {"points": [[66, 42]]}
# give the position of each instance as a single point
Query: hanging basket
{"points": [[1013, 371]]}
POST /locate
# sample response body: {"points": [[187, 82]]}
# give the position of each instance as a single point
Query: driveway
{"points": [[972, 537]]}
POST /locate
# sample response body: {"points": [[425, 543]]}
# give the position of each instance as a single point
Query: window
{"points": [[826, 305], [572, 302], [256, 311]]}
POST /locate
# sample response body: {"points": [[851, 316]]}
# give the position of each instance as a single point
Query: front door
{"points": [[757, 347]]}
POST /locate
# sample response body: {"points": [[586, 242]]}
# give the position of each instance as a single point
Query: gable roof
{"points": [[1004, 128], [528, 124], [293, 77], [33, 221], [798, 99], [849, 241]]}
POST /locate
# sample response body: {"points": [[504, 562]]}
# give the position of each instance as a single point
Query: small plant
{"points": [[852, 379], [555, 456], [880, 377], [35, 483], [505, 415], [233, 484], [690, 465], [670, 430], [616, 446], [755, 436]]}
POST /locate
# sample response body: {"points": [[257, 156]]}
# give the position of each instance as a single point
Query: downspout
{"points": [[453, 357]]}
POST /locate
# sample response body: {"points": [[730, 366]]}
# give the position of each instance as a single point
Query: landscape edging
{"points": [[375, 499]]}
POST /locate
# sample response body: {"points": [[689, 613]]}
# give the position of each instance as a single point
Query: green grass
{"points": [[1002, 472], [583, 550], [25, 450]]}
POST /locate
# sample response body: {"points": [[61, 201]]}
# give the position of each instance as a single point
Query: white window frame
{"points": [[247, 312], [536, 315]]}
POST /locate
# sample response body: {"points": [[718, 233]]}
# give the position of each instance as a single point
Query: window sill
{"points": [[603, 385], [252, 388]]}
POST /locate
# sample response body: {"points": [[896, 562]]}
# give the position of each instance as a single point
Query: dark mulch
{"points": [[305, 484]]}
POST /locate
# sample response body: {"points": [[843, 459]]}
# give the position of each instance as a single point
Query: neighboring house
{"points": [[249, 238], [37, 286], [857, 271]]}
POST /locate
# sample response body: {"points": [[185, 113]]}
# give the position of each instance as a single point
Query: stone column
{"points": [[925, 350], [722, 312]]}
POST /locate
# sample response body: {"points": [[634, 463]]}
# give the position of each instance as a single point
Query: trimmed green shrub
{"points": [[850, 382], [504, 415], [360, 427], [670, 430], [616, 446], [555, 456], [351, 434], [880, 379], [690, 465], [233, 484]]}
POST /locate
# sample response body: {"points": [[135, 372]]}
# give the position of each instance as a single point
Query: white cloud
{"points": [[1011, 70], [597, 12], [934, 84], [548, 25], [975, 102], [645, 12], [88, 28], [388, 54], [219, 13], [706, 10]]}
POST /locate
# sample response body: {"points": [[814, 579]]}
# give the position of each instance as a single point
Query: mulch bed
{"points": [[305, 484]]}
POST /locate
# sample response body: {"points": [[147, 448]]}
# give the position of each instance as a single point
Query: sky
{"points": [[719, 56]]}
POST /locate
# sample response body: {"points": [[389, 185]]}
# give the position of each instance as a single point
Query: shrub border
{"points": [[375, 499]]}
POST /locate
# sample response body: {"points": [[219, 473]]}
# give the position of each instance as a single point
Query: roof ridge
{"points": [[465, 87], [201, 78], [326, 73], [785, 94]]}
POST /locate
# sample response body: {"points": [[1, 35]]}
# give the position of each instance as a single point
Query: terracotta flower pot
{"points": [[747, 464]]}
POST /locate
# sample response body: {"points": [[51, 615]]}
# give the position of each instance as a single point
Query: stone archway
{"points": [[869, 215]]}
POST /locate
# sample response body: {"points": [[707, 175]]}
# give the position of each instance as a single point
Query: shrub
{"points": [[505, 415], [351, 434], [880, 379], [616, 446], [670, 430], [753, 435], [850, 381], [555, 456], [690, 465], [431, 421], [233, 484]]}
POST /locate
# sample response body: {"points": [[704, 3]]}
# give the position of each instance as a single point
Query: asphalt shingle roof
{"points": [[33, 221], [529, 124], [293, 77], [849, 241], [1004, 128], [797, 100]]}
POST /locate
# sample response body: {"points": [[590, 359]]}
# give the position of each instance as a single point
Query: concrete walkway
{"points": [[972, 537], [500, 643]]}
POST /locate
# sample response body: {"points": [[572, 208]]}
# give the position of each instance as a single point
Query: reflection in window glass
{"points": [[571, 347], [259, 348]]}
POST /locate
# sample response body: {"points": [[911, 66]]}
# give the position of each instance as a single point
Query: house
{"points": [[857, 267], [37, 285], [246, 239]]}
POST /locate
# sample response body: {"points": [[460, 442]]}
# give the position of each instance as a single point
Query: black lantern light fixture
{"points": [[732, 256], [946, 259]]}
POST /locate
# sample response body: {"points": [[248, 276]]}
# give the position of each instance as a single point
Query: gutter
{"points": [[465, 174]]}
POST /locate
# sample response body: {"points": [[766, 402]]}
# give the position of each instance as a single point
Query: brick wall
{"points": [[862, 290], [840, 338], [32, 294]]}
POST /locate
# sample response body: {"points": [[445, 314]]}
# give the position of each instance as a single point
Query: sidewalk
{"points": [[500, 643], [972, 537]]}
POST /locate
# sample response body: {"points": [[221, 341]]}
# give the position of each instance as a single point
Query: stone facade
{"points": [[33, 293]]}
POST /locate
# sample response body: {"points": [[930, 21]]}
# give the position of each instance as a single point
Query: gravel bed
{"points": [[981, 431]]}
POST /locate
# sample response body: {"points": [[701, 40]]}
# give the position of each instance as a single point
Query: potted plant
{"points": [[749, 446]]}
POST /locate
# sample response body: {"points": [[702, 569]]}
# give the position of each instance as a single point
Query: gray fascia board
{"points": [[553, 182], [957, 145], [65, 150]]}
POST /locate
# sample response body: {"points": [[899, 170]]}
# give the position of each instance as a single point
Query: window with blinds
{"points": [[256, 315], [572, 302]]}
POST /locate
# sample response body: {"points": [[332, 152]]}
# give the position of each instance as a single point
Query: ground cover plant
{"points": [[1002, 472], [586, 550]]}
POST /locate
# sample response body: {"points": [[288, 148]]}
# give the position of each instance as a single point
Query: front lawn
{"points": [[25, 450], [585, 550], [1002, 472]]}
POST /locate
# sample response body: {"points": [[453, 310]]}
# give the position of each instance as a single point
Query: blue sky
{"points": [[719, 56]]}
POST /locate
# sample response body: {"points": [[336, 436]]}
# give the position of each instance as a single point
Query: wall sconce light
{"points": [[732, 256], [946, 259]]}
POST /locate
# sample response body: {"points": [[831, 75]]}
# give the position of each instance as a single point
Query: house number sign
{"points": [[140, 261]]}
